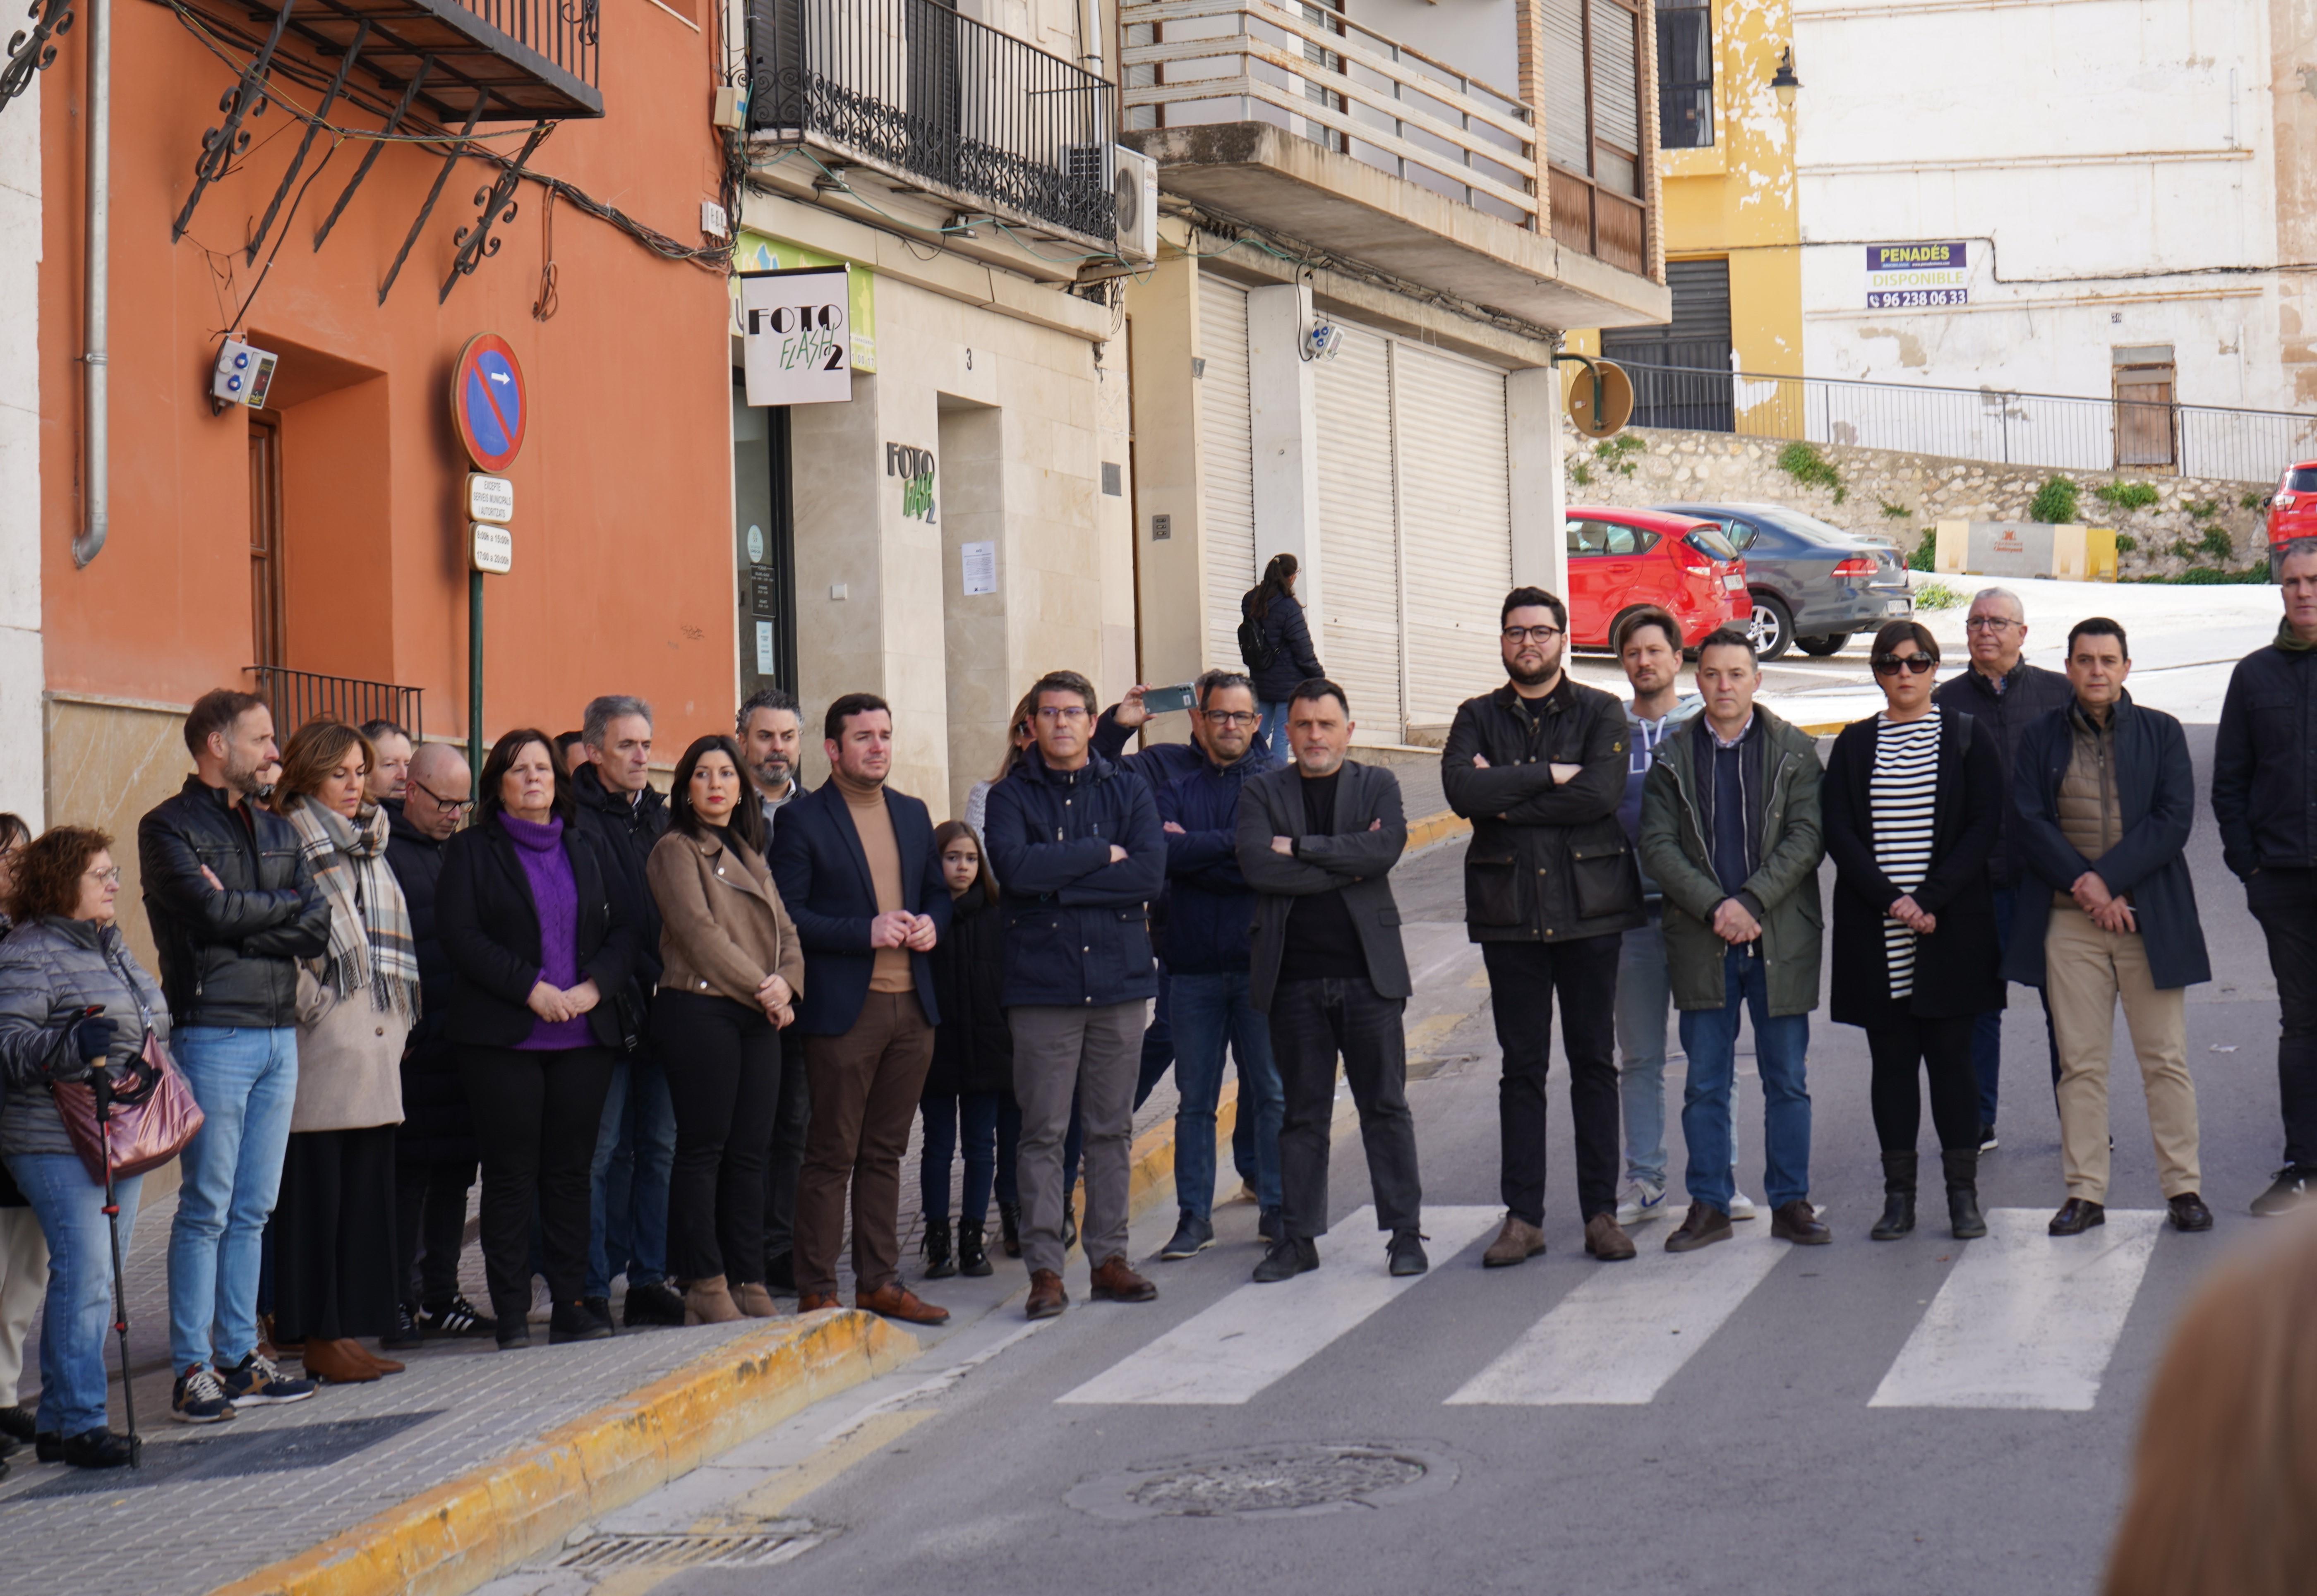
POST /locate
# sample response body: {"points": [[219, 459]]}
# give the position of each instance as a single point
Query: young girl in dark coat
{"points": [[968, 1093]]}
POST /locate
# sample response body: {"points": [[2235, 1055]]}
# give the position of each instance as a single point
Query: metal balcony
{"points": [[940, 102], [297, 697]]}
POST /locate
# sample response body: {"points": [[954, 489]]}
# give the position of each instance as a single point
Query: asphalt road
{"points": [[1917, 1416]]}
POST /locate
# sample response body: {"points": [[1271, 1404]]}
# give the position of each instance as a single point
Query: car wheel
{"points": [[1820, 647], [1774, 626]]}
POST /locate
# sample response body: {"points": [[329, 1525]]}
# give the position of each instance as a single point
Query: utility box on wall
{"points": [[2064, 552]]}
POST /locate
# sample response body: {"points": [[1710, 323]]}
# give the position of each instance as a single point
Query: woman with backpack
{"points": [[1277, 645]]}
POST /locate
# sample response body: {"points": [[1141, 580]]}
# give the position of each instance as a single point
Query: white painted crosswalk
{"points": [[2024, 1320]]}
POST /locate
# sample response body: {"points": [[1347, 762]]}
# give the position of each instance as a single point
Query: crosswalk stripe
{"points": [[2026, 1319], [1228, 1352], [1628, 1329]]}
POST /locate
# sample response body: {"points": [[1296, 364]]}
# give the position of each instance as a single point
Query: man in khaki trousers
{"points": [[2104, 793]]}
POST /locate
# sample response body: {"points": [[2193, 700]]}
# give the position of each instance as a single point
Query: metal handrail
{"points": [[298, 696], [1997, 425]]}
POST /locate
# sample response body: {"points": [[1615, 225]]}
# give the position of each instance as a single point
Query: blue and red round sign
{"points": [[487, 403]]}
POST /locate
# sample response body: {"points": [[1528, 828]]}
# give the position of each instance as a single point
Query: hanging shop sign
{"points": [[796, 336], [760, 251], [488, 404], [915, 468], [1916, 276]]}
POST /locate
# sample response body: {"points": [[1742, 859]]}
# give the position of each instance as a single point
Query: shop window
{"points": [[763, 541], [1685, 74]]}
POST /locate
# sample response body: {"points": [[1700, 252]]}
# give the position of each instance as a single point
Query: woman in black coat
{"points": [[969, 1091], [538, 945], [1281, 658], [1913, 800]]}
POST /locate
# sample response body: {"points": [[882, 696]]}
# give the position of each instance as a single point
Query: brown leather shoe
{"points": [[338, 1362], [1047, 1298], [893, 1300], [2076, 1216], [755, 1301], [1605, 1239], [1702, 1227], [813, 1302], [708, 1302], [1114, 1280], [1798, 1222], [1518, 1242], [384, 1364]]}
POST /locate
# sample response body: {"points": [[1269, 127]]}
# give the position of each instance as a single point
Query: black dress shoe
{"points": [[2076, 1216], [656, 1303], [16, 1423], [100, 1449], [2190, 1212], [600, 1306], [1406, 1253], [49, 1447], [1287, 1258], [575, 1321]]}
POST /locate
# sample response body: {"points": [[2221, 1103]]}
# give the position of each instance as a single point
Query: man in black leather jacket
{"points": [[232, 907]]}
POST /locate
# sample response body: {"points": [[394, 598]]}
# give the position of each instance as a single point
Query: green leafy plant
{"points": [[1580, 473], [1936, 595], [2209, 577], [2055, 502], [2125, 542], [2126, 495], [1807, 466], [2217, 543], [1926, 557], [1895, 512], [1617, 453], [2201, 509], [2252, 501]]}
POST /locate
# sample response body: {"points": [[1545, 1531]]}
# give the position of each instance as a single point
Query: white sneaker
{"points": [[1642, 1200], [1741, 1206]]}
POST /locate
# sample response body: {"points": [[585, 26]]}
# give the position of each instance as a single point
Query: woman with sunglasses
{"points": [[1913, 803]]}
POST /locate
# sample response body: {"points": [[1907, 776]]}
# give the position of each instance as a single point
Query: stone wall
{"points": [[1883, 493]]}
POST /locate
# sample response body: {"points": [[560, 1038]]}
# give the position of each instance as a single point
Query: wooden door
{"points": [[266, 645]]}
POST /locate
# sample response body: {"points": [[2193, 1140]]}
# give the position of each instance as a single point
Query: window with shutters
{"points": [[1685, 74], [1593, 128]]}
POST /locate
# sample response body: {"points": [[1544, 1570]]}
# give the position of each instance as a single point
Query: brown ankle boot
{"points": [[378, 1361], [338, 1362], [708, 1302], [755, 1301]]}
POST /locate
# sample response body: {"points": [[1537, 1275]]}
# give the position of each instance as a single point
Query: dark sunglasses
{"points": [[1890, 664]]}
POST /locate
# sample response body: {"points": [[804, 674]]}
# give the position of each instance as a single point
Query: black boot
{"points": [[970, 1258], [1010, 1228], [1897, 1198], [1961, 1167], [939, 1262]]}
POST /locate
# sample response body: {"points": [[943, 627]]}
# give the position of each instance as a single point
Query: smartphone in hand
{"points": [[1166, 700]]}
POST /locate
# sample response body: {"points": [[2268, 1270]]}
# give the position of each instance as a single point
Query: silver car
{"points": [[1812, 583]]}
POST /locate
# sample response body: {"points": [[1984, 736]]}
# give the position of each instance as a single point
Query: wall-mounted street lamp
{"points": [[1783, 80]]}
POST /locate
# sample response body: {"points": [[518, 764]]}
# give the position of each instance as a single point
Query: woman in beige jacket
{"points": [[334, 1222], [732, 968]]}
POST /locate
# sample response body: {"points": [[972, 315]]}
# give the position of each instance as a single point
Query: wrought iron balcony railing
{"points": [[916, 91], [297, 697]]}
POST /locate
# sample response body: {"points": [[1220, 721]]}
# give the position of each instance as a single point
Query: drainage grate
{"points": [[603, 1553], [1267, 1481]]}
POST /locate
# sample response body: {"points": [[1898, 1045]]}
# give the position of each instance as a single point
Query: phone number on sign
{"points": [[1918, 299]]}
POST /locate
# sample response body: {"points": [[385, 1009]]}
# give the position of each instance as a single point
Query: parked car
{"points": [[1812, 585], [1620, 559], [2292, 509]]}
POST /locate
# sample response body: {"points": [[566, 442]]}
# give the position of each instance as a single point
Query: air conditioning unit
{"points": [[1138, 205]]}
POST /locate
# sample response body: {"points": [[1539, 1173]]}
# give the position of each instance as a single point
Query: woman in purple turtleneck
{"points": [[536, 941]]}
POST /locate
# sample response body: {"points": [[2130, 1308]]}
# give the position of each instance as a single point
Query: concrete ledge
{"points": [[1435, 828], [469, 1529]]}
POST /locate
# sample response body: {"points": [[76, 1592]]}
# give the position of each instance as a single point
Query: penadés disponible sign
{"points": [[1916, 276]]}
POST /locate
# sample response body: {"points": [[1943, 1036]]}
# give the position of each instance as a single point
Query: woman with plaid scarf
{"points": [[334, 1225]]}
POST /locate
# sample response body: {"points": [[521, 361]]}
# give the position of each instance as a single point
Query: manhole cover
{"points": [[1267, 1481], [603, 1553]]}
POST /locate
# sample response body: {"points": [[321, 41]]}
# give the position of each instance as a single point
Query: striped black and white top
{"points": [[1900, 796]]}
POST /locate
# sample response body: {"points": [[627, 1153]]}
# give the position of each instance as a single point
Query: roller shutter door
{"points": [[1359, 535], [1456, 529], [1227, 461]]}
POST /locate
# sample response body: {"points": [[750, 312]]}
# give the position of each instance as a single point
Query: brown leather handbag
{"points": [[149, 1117]]}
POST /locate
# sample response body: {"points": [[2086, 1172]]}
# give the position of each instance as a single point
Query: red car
{"points": [[1619, 559], [2292, 509]]}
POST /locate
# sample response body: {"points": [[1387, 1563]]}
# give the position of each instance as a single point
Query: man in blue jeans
{"points": [[1209, 911], [232, 907], [1731, 832]]}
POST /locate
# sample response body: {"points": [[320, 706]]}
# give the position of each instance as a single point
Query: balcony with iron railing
{"points": [[297, 697], [1312, 122], [939, 103]]}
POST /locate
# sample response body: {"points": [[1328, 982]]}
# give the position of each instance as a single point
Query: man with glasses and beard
{"points": [[1538, 766]]}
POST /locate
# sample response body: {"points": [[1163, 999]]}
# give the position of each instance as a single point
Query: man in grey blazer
{"points": [[1317, 841]]}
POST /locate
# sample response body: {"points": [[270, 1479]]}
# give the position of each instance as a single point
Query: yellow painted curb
{"points": [[1823, 729], [471, 1528], [1435, 828]]}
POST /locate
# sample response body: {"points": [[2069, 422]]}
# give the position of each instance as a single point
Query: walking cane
{"points": [[101, 1085]]}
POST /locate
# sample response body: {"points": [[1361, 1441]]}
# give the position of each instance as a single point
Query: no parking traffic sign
{"points": [[487, 403]]}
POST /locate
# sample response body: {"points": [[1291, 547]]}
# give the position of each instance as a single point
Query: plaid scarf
{"points": [[370, 940]]}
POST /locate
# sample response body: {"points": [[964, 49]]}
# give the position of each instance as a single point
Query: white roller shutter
{"points": [[1455, 496], [1359, 539], [1227, 462]]}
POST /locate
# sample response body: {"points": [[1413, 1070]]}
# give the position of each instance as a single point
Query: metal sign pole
{"points": [[475, 676]]}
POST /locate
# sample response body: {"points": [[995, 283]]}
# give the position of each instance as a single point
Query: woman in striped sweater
{"points": [[1913, 801]]}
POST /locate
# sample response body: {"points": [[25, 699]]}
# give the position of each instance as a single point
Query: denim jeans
{"points": [[1987, 1029], [246, 1082], [1211, 1009], [1644, 998], [1273, 732], [952, 1118], [635, 1155], [76, 1324], [1710, 1038]]}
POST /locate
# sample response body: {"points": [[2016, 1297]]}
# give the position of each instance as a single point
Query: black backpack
{"points": [[1254, 648]]}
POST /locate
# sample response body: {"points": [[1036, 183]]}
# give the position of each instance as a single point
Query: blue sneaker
{"points": [[256, 1378], [1193, 1237], [198, 1398]]}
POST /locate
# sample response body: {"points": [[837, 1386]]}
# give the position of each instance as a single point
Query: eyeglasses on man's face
{"points": [[1232, 717], [1533, 634], [1069, 714], [1990, 623], [1891, 665], [448, 806]]}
